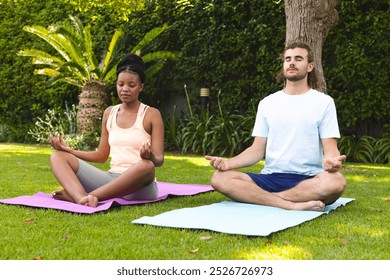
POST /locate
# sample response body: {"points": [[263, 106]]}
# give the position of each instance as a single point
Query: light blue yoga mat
{"points": [[237, 218]]}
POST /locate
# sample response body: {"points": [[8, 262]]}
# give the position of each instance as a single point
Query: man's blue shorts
{"points": [[278, 182]]}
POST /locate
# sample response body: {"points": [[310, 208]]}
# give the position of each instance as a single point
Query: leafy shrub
{"points": [[3, 133], [173, 135], [219, 134], [382, 150], [251, 34], [50, 124], [365, 149], [356, 75], [65, 124]]}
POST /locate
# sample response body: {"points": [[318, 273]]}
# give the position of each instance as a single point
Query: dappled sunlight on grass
{"points": [[364, 231], [357, 178], [19, 149], [362, 173], [365, 169], [284, 252], [358, 231], [361, 167], [367, 178], [198, 161], [382, 180]]}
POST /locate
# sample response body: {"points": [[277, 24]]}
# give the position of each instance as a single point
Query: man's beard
{"points": [[295, 78]]}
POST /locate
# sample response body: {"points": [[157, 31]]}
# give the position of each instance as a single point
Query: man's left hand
{"points": [[333, 165]]}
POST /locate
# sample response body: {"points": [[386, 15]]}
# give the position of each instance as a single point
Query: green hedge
{"points": [[228, 45], [356, 70], [23, 95]]}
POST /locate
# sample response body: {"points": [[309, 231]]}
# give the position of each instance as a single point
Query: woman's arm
{"points": [[100, 155], [154, 150]]}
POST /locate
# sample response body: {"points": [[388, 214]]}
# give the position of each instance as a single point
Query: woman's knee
{"points": [[146, 167], [60, 154], [149, 165], [56, 156], [60, 157]]}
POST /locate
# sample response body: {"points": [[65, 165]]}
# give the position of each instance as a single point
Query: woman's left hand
{"points": [[58, 143], [146, 150]]}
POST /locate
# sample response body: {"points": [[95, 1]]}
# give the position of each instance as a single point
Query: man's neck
{"points": [[296, 88]]}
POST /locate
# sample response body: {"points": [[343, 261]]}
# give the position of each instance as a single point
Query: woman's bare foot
{"points": [[62, 195], [89, 200]]}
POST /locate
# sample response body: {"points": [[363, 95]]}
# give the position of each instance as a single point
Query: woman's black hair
{"points": [[132, 63]]}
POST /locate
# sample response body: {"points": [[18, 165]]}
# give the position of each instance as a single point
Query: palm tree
{"points": [[76, 64]]}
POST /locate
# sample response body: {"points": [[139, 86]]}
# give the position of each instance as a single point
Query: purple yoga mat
{"points": [[44, 200]]}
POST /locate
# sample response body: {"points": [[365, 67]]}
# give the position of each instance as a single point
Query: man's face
{"points": [[296, 64]]}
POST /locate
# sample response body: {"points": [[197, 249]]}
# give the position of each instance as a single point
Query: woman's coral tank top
{"points": [[125, 143]]}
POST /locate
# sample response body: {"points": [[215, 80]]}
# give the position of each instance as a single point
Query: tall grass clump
{"points": [[222, 133], [365, 149]]}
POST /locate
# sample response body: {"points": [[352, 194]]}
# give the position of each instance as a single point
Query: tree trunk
{"points": [[309, 21], [92, 102]]}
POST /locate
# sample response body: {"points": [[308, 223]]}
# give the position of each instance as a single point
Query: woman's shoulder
{"points": [[110, 108], [107, 112], [150, 109], [152, 113]]}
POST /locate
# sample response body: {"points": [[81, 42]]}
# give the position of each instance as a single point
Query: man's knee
{"points": [[215, 179], [333, 181], [334, 186], [218, 180], [339, 183]]}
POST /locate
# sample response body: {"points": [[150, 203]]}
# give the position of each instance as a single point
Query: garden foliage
{"points": [[232, 47]]}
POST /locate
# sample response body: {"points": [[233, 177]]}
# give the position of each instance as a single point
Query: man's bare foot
{"points": [[315, 205], [62, 195], [89, 200]]}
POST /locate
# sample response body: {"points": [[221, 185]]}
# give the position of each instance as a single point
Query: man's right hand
{"points": [[219, 163]]}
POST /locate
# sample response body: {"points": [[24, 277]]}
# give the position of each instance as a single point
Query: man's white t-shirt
{"points": [[294, 126]]}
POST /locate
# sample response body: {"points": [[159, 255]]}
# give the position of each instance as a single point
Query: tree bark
{"points": [[92, 102], [309, 21]]}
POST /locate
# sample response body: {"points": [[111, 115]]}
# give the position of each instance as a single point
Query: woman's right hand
{"points": [[58, 143]]}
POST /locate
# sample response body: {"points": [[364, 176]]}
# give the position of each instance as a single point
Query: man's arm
{"points": [[248, 157], [332, 158]]}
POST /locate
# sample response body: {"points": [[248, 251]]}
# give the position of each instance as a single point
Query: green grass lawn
{"points": [[358, 231]]}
